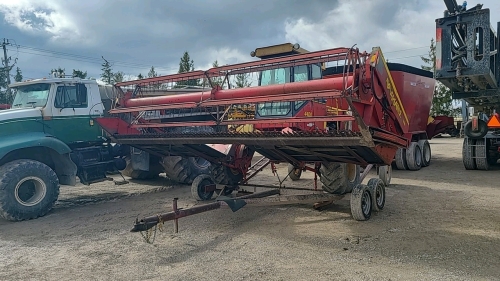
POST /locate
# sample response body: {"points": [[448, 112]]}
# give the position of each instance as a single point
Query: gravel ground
{"points": [[439, 223]]}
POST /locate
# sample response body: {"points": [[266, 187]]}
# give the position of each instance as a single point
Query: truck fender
{"points": [[59, 152], [36, 139]]}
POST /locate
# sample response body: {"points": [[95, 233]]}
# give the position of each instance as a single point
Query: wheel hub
{"points": [[30, 191]]}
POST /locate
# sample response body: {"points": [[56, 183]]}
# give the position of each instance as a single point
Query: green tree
{"points": [[186, 64], [442, 101], [140, 76], [118, 77], [152, 73], [19, 75], [241, 80], [3, 86], [217, 80], [107, 72], [80, 74], [58, 72]]}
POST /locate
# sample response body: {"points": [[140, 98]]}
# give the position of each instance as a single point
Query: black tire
{"points": [[414, 157], [293, 173], [377, 188], [154, 170], [425, 147], [385, 174], [468, 154], [339, 178], [224, 175], [198, 166], [197, 188], [178, 169], [482, 126], [28, 190], [401, 159], [481, 152], [361, 203]]}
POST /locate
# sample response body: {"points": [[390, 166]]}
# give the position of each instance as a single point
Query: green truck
{"points": [[49, 138]]}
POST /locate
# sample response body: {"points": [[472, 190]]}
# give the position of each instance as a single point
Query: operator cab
{"points": [[282, 76]]}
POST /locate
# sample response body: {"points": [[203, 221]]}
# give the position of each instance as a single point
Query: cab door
{"points": [[71, 114]]}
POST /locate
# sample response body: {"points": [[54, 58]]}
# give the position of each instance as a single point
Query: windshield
{"points": [[31, 95]]}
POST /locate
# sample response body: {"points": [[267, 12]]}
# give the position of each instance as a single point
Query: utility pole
{"points": [[6, 66]]}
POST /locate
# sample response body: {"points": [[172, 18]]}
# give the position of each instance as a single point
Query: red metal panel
{"points": [[416, 95], [114, 125]]}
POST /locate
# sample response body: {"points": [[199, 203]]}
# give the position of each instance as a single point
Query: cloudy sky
{"points": [[135, 35]]}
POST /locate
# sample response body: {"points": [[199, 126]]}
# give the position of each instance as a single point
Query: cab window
{"points": [[71, 96]]}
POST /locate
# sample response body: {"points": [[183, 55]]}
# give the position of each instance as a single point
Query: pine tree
{"points": [[118, 77], [140, 76], [152, 73], [107, 73], [241, 80], [186, 64], [80, 74], [217, 80], [442, 101], [19, 75]]}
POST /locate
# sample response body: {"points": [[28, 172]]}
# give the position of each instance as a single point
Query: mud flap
{"points": [[139, 159]]}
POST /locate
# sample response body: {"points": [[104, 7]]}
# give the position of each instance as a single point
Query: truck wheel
{"points": [[153, 173], [377, 190], [198, 166], [339, 178], [401, 159], [28, 190], [468, 154], [480, 150], [426, 152], [293, 173], [361, 203], [178, 169], [414, 157], [481, 132]]}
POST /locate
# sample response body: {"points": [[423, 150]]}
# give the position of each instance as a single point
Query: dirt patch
{"points": [[439, 223]]}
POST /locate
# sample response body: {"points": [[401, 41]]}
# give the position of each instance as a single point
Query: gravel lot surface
{"points": [[439, 223]]}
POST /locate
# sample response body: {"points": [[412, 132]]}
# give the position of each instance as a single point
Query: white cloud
{"points": [[359, 22], [42, 18]]}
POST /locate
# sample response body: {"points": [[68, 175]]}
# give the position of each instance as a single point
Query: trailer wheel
{"points": [[426, 152], [468, 154], [361, 203], [385, 174], [294, 173], [198, 166], [28, 189], [480, 150], [377, 189], [482, 129], [339, 178], [401, 159], [198, 188], [414, 157]]}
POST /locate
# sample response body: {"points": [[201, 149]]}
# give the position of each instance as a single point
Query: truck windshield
{"points": [[34, 95]]}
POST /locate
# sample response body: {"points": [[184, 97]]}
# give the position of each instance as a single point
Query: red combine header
{"points": [[358, 115]]}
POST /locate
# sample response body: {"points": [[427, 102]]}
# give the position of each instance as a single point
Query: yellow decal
{"points": [[393, 98], [308, 114]]}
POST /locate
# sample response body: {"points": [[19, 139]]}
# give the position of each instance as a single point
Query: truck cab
{"points": [[63, 108], [48, 137]]}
